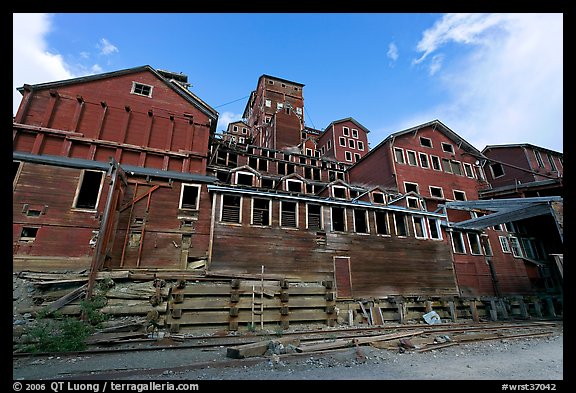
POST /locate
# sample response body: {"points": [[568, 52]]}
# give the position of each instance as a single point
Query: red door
{"points": [[343, 277]]}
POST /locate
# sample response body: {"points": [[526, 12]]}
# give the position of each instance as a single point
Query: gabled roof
{"points": [[348, 119], [177, 86], [513, 145], [437, 125], [246, 168]]}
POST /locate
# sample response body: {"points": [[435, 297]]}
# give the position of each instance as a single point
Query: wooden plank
{"points": [[349, 342], [258, 348], [68, 298], [376, 315]]}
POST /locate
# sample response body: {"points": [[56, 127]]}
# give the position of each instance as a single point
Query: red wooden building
{"points": [[345, 140]]}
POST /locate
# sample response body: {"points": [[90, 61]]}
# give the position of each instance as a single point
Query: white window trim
{"points": [[424, 228], [351, 143], [454, 194], [403, 156], [492, 170], [345, 131], [366, 221], [411, 198], [437, 225], [441, 192], [504, 245], [360, 145], [357, 157], [293, 181], [80, 182], [415, 184], [321, 215], [461, 236], [383, 198], [386, 223], [415, 157], [239, 213], [346, 154], [199, 187], [342, 141], [519, 254], [269, 212], [469, 166], [332, 219], [431, 143], [470, 244], [309, 152], [296, 213], [439, 163], [354, 131], [447, 144], [539, 159], [244, 173], [420, 154], [345, 192], [134, 83], [396, 226]]}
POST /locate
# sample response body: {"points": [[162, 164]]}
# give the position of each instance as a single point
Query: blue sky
{"points": [[491, 78]]}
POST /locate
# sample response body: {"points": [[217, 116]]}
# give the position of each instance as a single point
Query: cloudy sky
{"points": [[491, 78]]}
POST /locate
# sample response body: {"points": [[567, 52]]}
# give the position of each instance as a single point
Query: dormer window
{"points": [[339, 192], [378, 197], [293, 185], [245, 179], [141, 89]]}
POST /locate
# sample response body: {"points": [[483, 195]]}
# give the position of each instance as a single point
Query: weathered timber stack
{"points": [[230, 304]]}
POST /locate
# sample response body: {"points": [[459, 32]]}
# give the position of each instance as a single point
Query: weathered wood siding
{"points": [[380, 265]]}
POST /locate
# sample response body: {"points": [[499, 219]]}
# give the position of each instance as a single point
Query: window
{"points": [[436, 192], [381, 221], [293, 185], [474, 243], [419, 227], [339, 192], [468, 170], [309, 152], [267, 119], [141, 89], [267, 183], [539, 158], [189, 196], [504, 244], [28, 234], [530, 248], [434, 225], [309, 188], [378, 197], [497, 170], [479, 172], [426, 142], [399, 155], [270, 82], [412, 203], [486, 246], [288, 214], [244, 179], [342, 141], [235, 128], [435, 163], [411, 187], [231, 209], [446, 165], [551, 161], [411, 157], [515, 247], [400, 224], [356, 157], [279, 105], [348, 155], [88, 192], [456, 167], [510, 227], [351, 143], [329, 145], [354, 133], [338, 219], [360, 145], [497, 227], [448, 148], [244, 130], [241, 139], [299, 111], [424, 160], [360, 221], [313, 216], [16, 168], [261, 212], [459, 195], [345, 131], [458, 243]]}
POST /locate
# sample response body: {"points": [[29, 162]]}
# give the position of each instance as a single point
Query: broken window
{"points": [[244, 179], [360, 145], [411, 187], [189, 196], [426, 142], [294, 185], [356, 157], [411, 157], [378, 197], [436, 192], [345, 131], [474, 243], [231, 208], [458, 243], [448, 148], [539, 158], [89, 188], [424, 160], [348, 155], [338, 219], [360, 221], [459, 195], [486, 246], [400, 224], [267, 183], [412, 203], [419, 227], [551, 161], [434, 226], [456, 167], [381, 219], [468, 170], [435, 163], [339, 192], [354, 133], [314, 216], [342, 141], [399, 155], [446, 165], [28, 234], [497, 170], [260, 211], [352, 143], [288, 214], [504, 244]]}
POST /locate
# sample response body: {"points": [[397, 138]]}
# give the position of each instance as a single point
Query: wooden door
{"points": [[343, 277]]}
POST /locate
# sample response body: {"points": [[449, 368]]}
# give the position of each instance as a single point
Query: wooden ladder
{"points": [[260, 302]]}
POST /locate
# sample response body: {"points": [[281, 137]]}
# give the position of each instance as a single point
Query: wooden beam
{"points": [[258, 348]]}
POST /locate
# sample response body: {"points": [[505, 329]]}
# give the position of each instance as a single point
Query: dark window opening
{"points": [[291, 169], [142, 89], [222, 176], [288, 214], [253, 162], [316, 174], [419, 230], [458, 242], [308, 173], [28, 234], [456, 168], [459, 195], [353, 194], [400, 220], [426, 142], [378, 197], [261, 212], [412, 203], [231, 208], [382, 223], [314, 217], [89, 190], [34, 213], [411, 187], [436, 192], [338, 219], [262, 165], [295, 186], [360, 224], [244, 179], [447, 148], [309, 188], [434, 232], [190, 197], [474, 244], [339, 192], [436, 163], [267, 183], [497, 170]]}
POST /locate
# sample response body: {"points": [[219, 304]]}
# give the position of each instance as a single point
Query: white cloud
{"points": [[436, 64], [32, 62], [392, 53], [509, 88], [225, 118], [106, 48]]}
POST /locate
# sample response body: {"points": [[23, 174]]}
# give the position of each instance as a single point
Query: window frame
{"points": [[422, 226], [140, 84], [79, 187], [197, 204], [405, 225], [396, 150], [386, 223], [459, 191], [348, 156], [435, 163], [345, 216], [461, 242], [296, 210], [437, 188], [321, 228], [354, 133], [468, 168], [444, 144], [252, 200], [504, 245], [428, 139], [345, 131], [342, 141], [477, 242], [436, 226], [420, 155], [239, 222], [409, 154]]}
